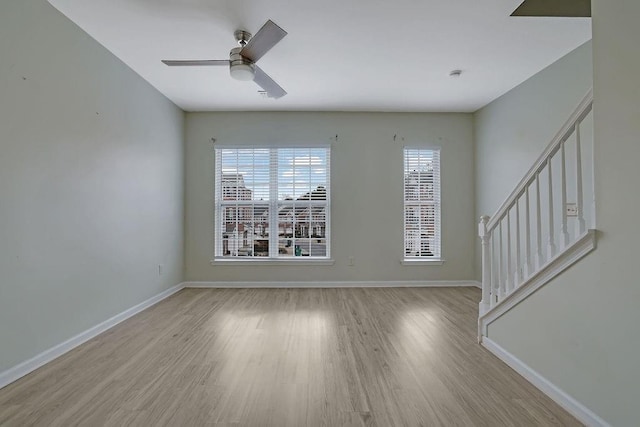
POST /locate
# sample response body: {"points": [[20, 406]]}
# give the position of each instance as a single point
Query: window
{"points": [[421, 203], [272, 203]]}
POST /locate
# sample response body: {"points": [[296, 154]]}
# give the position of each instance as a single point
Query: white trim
{"points": [[571, 405], [422, 146], [435, 202], [423, 262], [272, 261], [28, 366], [553, 268], [257, 146], [336, 284], [272, 205]]}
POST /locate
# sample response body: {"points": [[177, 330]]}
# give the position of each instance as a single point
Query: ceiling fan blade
{"points": [[272, 88], [196, 63], [263, 41], [548, 8]]}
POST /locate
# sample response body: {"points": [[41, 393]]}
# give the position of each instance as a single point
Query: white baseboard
{"points": [[28, 366], [571, 405], [340, 284]]}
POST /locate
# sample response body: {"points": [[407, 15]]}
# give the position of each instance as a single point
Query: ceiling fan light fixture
{"points": [[243, 72]]}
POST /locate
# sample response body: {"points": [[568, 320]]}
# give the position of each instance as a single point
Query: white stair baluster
{"points": [[527, 236], [539, 254], [517, 276], [509, 278], [551, 248], [495, 283], [486, 265], [501, 275], [580, 223], [563, 192]]}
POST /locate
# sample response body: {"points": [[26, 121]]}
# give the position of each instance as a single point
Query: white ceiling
{"points": [[340, 55]]}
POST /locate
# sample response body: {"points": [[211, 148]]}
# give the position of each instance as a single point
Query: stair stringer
{"points": [[562, 261]]}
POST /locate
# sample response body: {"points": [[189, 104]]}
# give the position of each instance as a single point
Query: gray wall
{"points": [[367, 177], [91, 183], [512, 132], [581, 331]]}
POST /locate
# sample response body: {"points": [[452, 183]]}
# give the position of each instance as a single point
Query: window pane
{"points": [[301, 171], [285, 247], [318, 247], [244, 174], [245, 231], [247, 178], [422, 202], [302, 247]]}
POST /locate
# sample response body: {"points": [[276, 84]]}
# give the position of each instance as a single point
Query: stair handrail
{"points": [[582, 110]]}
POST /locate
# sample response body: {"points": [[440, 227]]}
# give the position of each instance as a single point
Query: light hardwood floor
{"points": [[286, 357]]}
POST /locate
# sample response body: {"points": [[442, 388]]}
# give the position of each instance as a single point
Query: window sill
{"points": [[271, 261], [422, 261]]}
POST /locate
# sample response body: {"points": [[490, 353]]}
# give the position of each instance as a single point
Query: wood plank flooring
{"points": [[286, 357]]}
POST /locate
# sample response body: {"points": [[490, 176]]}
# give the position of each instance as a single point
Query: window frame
{"points": [[437, 258], [273, 207]]}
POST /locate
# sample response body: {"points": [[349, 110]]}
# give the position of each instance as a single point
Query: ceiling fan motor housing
{"points": [[241, 68]]}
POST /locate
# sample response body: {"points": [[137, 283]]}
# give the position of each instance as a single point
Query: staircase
{"points": [[545, 225]]}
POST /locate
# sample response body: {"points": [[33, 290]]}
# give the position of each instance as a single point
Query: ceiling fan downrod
{"points": [[242, 37]]}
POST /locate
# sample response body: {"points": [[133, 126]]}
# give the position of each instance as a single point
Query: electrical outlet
{"points": [[352, 261], [160, 269], [572, 209]]}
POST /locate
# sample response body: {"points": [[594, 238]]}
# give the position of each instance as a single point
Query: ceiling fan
{"points": [[242, 60]]}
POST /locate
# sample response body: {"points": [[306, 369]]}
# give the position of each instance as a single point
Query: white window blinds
{"points": [[272, 202], [422, 230]]}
